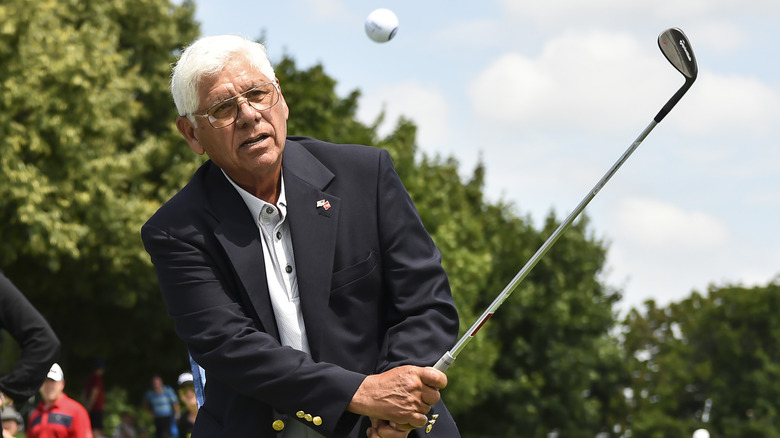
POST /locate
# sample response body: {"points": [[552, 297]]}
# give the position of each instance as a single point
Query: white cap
{"points": [[185, 378], [55, 373]]}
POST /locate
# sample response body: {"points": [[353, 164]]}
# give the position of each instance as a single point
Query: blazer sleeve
{"points": [[40, 346], [422, 321], [225, 340]]}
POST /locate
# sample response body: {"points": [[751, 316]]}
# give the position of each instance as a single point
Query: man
{"points": [[298, 272], [39, 345], [190, 401], [57, 415], [95, 397], [161, 403]]}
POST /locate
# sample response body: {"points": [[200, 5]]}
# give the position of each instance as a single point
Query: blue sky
{"points": [[550, 93]]}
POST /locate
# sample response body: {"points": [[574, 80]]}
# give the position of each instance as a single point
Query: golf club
{"points": [[676, 48]]}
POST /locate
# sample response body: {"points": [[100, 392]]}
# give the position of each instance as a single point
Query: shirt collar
{"points": [[57, 403], [255, 204]]}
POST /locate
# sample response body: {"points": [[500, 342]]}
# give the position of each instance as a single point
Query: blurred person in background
{"points": [[95, 397], [190, 402], [57, 415], [161, 403], [12, 421]]}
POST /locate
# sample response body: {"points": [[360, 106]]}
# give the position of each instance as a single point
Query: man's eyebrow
{"points": [[253, 84]]}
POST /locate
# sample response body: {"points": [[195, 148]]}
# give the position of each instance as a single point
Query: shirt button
{"points": [[278, 234], [288, 269], [269, 210]]}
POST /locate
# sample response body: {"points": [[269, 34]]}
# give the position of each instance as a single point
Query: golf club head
{"points": [[677, 49]]}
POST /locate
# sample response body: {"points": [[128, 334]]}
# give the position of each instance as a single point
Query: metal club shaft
{"points": [[449, 357]]}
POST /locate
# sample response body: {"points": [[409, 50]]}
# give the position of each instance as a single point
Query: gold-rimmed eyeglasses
{"points": [[225, 113]]}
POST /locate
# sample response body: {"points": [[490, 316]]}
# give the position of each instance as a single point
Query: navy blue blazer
{"points": [[373, 292]]}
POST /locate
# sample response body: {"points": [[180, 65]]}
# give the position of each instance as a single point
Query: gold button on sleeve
{"points": [[300, 414], [278, 425], [317, 421], [308, 418]]}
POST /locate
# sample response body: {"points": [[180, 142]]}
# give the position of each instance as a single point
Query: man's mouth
{"points": [[255, 140]]}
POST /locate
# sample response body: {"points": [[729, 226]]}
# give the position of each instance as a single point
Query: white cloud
{"points": [[610, 83], [425, 105], [653, 224], [591, 80], [663, 252], [721, 104]]}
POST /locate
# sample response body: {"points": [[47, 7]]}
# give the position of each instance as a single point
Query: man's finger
{"points": [[401, 427], [430, 396], [433, 378]]}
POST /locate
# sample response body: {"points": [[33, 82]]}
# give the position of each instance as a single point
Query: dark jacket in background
{"points": [[40, 346]]}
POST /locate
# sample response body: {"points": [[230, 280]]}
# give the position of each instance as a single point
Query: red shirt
{"points": [[66, 418], [96, 381]]}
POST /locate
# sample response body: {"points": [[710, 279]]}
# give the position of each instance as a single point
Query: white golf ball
{"points": [[381, 25]]}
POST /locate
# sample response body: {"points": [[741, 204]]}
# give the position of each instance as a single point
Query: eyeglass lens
{"points": [[260, 98]]}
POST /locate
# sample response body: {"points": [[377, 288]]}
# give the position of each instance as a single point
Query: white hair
{"points": [[207, 56]]}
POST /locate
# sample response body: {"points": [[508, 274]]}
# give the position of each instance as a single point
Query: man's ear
{"points": [[187, 129]]}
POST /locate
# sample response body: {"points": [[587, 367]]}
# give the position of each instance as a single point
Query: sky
{"points": [[549, 94]]}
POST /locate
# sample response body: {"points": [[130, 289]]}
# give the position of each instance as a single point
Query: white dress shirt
{"points": [[282, 280]]}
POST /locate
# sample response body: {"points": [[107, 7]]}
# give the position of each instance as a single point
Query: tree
{"points": [[708, 359], [81, 119], [558, 370]]}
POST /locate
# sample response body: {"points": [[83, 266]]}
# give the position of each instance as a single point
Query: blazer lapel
{"points": [[240, 238], [313, 216]]}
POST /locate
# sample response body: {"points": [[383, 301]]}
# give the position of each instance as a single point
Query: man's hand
{"points": [[401, 396], [384, 429]]}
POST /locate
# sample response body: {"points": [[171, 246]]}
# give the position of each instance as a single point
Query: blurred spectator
{"points": [[12, 421], [190, 401], [163, 406], [58, 415], [95, 398]]}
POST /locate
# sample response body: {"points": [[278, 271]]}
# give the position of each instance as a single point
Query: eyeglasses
{"points": [[225, 113]]}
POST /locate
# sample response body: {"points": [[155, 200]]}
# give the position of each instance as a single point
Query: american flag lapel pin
{"points": [[322, 203]]}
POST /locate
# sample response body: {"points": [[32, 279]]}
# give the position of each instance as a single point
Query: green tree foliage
{"points": [[89, 151], [720, 350], [558, 371], [85, 119]]}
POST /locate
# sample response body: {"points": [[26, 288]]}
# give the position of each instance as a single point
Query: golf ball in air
{"points": [[381, 25]]}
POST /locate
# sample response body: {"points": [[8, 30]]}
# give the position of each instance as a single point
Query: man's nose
{"points": [[246, 112]]}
